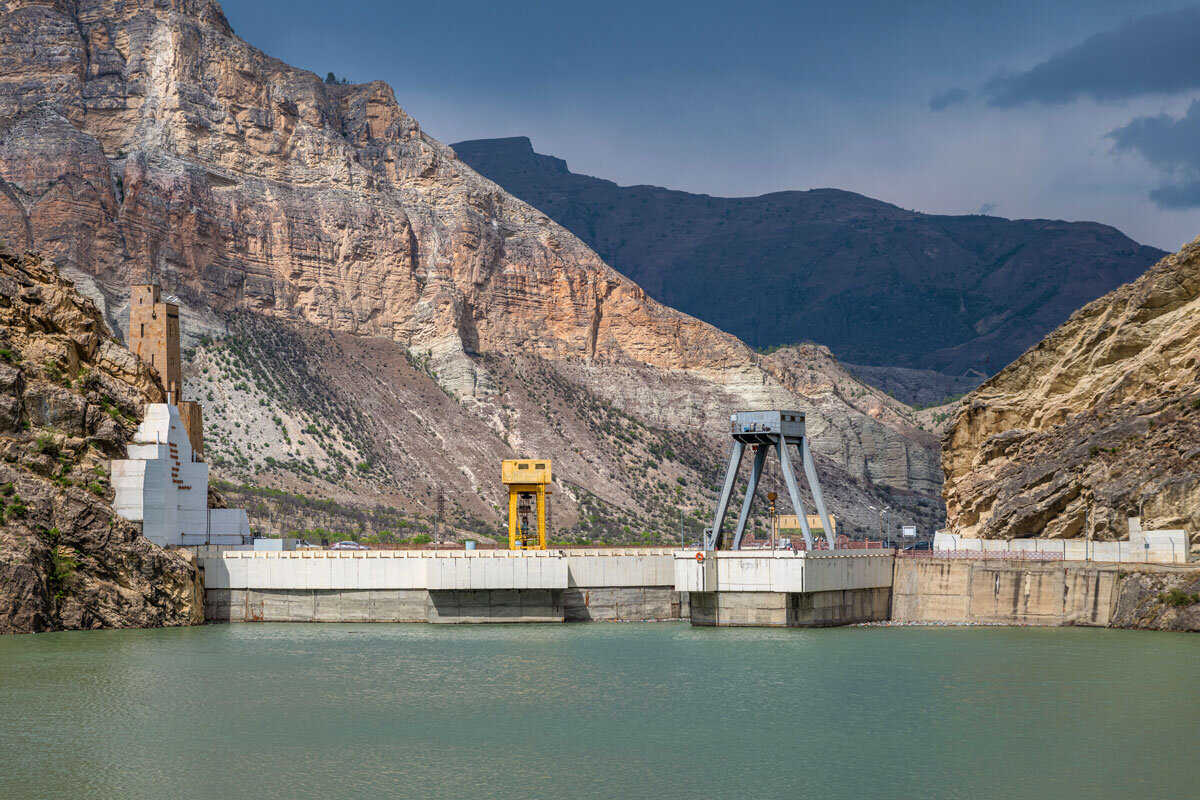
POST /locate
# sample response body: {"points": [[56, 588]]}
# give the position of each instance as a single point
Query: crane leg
{"points": [[760, 458], [712, 540], [810, 472], [789, 476]]}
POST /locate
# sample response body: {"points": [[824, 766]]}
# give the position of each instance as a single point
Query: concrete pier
{"points": [[785, 588]]}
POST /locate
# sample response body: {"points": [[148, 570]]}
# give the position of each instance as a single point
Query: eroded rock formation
{"points": [[1098, 422], [70, 396]]}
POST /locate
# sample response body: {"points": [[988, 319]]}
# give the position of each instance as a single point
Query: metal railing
{"points": [[977, 555]]}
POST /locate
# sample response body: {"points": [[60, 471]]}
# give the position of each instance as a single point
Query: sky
{"points": [[1077, 110]]}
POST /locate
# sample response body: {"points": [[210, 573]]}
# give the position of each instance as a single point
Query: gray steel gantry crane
{"points": [[767, 429]]}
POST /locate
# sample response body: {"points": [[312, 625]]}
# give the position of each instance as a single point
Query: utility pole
{"points": [[437, 518]]}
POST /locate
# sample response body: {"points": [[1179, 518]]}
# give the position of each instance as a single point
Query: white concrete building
{"points": [[164, 485]]}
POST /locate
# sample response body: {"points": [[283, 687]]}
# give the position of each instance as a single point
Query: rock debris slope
{"points": [[146, 140], [1098, 422], [70, 397]]}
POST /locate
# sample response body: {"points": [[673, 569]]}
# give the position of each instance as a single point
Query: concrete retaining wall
{"points": [[496, 605], [383, 605], [624, 604], [316, 605], [999, 591]]}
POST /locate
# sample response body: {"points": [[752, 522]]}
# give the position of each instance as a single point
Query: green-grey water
{"points": [[600, 710]]}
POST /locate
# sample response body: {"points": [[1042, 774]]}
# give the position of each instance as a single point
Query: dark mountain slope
{"points": [[875, 283]]}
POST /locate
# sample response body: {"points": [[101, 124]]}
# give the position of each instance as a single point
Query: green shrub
{"points": [[88, 380], [8, 355], [47, 443], [1178, 598], [62, 567], [16, 508], [52, 371]]}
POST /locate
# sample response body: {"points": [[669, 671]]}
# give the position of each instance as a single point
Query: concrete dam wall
{"points": [[724, 588], [441, 587]]}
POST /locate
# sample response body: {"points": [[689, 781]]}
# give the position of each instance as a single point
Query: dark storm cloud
{"points": [[1177, 195], [1165, 141], [1148, 55], [1172, 144], [763, 95], [947, 98]]}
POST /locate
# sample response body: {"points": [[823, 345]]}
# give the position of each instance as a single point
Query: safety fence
{"points": [[976, 555]]}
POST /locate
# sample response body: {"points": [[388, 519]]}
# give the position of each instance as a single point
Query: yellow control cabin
{"points": [[528, 482]]}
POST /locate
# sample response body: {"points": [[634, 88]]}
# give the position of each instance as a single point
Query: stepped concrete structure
{"points": [[164, 482], [164, 485]]}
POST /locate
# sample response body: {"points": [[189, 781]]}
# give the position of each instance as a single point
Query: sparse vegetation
{"points": [[51, 371], [46, 443], [64, 562], [1178, 598], [945, 401]]}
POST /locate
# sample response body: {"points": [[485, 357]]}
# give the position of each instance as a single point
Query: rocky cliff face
{"points": [[145, 140], [70, 397], [1098, 422], [877, 284]]}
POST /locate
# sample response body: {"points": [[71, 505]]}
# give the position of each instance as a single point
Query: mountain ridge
{"points": [[879, 284]]}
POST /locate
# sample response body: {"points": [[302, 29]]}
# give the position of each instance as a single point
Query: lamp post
{"points": [[771, 497]]}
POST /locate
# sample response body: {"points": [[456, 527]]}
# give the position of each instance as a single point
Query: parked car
{"points": [[927, 545], [348, 545]]}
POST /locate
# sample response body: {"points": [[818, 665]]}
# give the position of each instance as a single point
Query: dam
{"points": [[709, 588], [778, 588]]}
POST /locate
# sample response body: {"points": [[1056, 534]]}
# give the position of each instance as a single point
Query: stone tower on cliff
{"points": [[154, 336]]}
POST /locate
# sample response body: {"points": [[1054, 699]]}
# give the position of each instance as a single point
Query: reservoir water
{"points": [[659, 710]]}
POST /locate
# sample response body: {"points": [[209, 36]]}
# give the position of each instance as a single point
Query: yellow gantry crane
{"points": [[528, 482]]}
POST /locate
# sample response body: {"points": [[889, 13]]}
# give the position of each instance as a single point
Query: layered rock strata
{"points": [[1097, 423]]}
